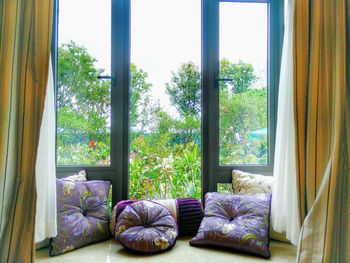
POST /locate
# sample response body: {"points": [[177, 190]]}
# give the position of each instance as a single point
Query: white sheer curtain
{"points": [[284, 212], [45, 220]]}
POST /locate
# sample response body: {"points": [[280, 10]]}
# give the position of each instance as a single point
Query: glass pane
{"points": [[243, 100], [165, 159], [224, 188], [83, 117]]}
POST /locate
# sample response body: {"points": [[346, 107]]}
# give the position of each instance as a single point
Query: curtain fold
{"points": [[45, 169], [284, 213], [322, 122], [25, 37]]}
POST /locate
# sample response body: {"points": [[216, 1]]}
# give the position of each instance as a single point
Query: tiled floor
{"points": [[110, 251]]}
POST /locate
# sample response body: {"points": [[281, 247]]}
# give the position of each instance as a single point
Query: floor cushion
{"points": [[82, 214], [187, 212], [237, 222], [248, 183], [147, 227]]}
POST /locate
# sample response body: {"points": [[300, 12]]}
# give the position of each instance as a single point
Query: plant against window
{"points": [[165, 157]]}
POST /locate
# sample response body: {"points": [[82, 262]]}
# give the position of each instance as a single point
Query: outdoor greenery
{"points": [[165, 150]]}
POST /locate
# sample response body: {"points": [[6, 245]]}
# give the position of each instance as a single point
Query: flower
{"points": [[161, 242], [68, 248], [67, 187], [228, 228], [92, 143], [120, 229], [77, 231], [171, 233], [69, 218]]}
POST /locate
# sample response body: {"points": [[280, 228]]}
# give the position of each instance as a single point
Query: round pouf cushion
{"points": [[147, 227]]}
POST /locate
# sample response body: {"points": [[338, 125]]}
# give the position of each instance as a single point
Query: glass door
{"points": [[165, 99], [242, 84], [83, 97], [241, 57]]}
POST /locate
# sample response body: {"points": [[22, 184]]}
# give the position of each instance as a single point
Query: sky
{"points": [[165, 34]]}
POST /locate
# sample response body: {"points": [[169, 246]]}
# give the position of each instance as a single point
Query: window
{"points": [[243, 126], [241, 60], [228, 51], [165, 99], [83, 99]]}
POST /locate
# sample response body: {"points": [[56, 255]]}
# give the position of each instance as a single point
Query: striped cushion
{"points": [[190, 216]]}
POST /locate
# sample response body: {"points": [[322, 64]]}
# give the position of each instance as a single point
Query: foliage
{"points": [[139, 98], [242, 75], [184, 90], [165, 155], [83, 108], [160, 171], [240, 114]]}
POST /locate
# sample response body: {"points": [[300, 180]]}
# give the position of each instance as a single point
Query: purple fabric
{"points": [[238, 222], [146, 227], [122, 204], [119, 207], [82, 214], [190, 214]]}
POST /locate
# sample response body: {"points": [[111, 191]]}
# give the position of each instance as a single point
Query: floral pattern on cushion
{"points": [[82, 214], [238, 222], [147, 227], [248, 183], [78, 176]]}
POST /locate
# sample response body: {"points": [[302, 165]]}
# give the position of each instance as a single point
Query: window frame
{"points": [[115, 172], [214, 173]]}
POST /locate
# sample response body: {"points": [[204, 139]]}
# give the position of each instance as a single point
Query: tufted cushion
{"points": [[82, 215], [248, 183], [145, 226], [238, 222], [187, 212]]}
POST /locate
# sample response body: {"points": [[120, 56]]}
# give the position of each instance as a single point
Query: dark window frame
{"points": [[119, 103], [212, 173]]}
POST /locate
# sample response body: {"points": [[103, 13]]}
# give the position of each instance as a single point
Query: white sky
{"points": [[166, 33]]}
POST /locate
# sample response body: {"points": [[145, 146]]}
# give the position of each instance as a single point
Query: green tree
{"points": [[242, 75], [84, 106], [140, 98], [184, 90]]}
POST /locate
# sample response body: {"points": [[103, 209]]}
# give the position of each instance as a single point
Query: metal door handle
{"points": [[104, 77]]}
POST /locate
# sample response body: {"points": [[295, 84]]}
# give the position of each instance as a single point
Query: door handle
{"points": [[104, 77], [224, 80], [218, 80], [112, 78]]}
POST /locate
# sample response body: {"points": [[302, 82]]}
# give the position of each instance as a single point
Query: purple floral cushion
{"points": [[145, 226], [82, 214], [238, 222], [188, 213]]}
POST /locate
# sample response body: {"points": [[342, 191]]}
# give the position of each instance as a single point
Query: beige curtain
{"points": [[322, 121], [25, 40]]}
